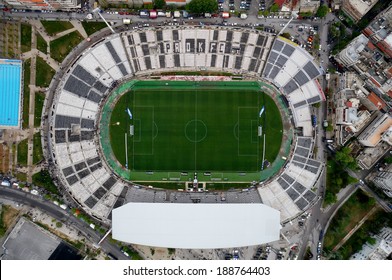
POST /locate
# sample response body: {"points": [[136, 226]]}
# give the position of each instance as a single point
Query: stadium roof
{"points": [[195, 226], [10, 92]]}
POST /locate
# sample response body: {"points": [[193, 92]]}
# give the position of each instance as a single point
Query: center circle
{"points": [[195, 131]]}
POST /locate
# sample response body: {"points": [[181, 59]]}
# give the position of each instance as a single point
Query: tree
{"points": [[203, 6], [148, 6], [332, 70], [322, 11], [330, 198], [344, 158], [388, 160], [274, 8], [159, 4], [286, 35], [371, 240], [329, 127]]}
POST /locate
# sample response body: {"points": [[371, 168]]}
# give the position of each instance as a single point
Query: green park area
{"points": [[26, 93], [92, 27], [23, 152], [39, 104], [62, 46], [337, 176], [41, 44], [363, 235], [25, 37], [37, 149], [55, 27], [347, 217], [44, 180], [44, 74]]}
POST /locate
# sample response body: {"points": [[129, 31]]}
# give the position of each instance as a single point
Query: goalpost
{"points": [[131, 130]]}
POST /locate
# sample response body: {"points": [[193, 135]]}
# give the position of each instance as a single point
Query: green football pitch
{"points": [[201, 127]]}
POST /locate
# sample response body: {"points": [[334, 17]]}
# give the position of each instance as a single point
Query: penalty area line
{"points": [[126, 151]]}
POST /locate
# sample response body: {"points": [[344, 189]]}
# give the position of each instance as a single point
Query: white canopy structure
{"points": [[195, 226]]}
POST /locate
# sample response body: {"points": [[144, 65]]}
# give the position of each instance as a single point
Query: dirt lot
{"points": [[4, 158], [10, 215]]}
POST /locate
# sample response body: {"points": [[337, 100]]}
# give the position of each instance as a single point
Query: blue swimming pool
{"points": [[10, 92]]}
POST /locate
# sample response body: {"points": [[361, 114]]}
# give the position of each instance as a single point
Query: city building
{"points": [[371, 65], [378, 251], [383, 180], [356, 9], [309, 6], [375, 102], [380, 33], [45, 4], [351, 54], [336, 4], [352, 107], [372, 135], [370, 156]]}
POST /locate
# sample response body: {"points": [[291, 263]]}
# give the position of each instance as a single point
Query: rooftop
{"points": [[196, 226], [377, 101], [373, 133], [362, 6], [20, 246]]}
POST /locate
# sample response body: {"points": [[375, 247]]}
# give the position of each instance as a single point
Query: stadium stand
{"points": [[222, 50], [290, 68], [142, 194], [291, 191], [79, 96]]}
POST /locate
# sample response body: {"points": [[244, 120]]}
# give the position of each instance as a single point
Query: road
{"points": [[61, 215], [320, 221], [116, 20]]}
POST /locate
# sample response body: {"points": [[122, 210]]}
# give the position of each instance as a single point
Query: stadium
{"points": [[119, 115]]}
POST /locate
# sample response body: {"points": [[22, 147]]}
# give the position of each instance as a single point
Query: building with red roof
{"points": [[377, 101]]}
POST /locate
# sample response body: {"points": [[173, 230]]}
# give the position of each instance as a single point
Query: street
{"points": [[61, 215]]}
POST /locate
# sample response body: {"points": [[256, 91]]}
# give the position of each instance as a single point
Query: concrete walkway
{"points": [[61, 34], [41, 30], [52, 63], [78, 26], [31, 106]]}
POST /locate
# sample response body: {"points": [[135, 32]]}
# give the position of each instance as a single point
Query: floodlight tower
{"points": [[97, 10]]}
